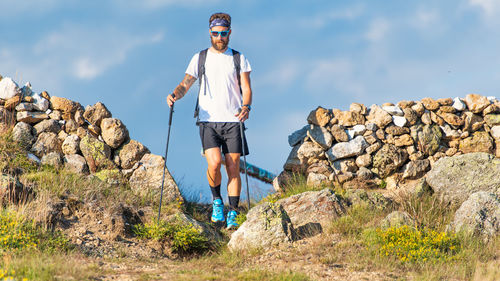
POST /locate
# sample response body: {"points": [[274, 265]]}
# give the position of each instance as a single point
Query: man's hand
{"points": [[171, 99], [243, 114]]}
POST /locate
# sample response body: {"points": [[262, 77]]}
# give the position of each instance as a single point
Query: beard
{"points": [[219, 45]]}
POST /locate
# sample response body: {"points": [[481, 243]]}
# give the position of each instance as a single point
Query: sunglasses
{"points": [[224, 33]]}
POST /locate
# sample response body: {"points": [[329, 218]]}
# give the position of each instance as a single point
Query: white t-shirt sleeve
{"points": [[192, 68], [245, 65]]}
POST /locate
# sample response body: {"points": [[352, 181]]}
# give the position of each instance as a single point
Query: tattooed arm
{"points": [[181, 89]]}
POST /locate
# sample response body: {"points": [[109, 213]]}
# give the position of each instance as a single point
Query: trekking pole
{"points": [[165, 164], [244, 159]]}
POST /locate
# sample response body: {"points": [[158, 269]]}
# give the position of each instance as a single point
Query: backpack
{"points": [[201, 73]]}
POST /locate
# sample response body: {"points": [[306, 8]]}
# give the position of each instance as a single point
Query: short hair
{"points": [[223, 16]]}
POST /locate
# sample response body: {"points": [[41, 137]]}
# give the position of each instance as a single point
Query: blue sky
{"points": [[131, 54]]}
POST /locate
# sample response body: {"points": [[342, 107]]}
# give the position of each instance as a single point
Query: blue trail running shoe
{"points": [[217, 211], [231, 219]]}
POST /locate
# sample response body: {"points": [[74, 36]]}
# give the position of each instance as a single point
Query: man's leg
{"points": [[214, 160], [233, 174]]}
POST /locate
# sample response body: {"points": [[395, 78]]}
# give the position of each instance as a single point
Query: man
{"points": [[223, 103]]}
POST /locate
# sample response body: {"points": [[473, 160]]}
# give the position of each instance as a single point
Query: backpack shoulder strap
{"points": [[237, 66], [201, 64]]}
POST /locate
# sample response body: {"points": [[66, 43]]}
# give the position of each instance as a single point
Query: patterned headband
{"points": [[219, 22]]}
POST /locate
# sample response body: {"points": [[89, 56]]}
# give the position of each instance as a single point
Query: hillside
{"points": [[392, 192]]}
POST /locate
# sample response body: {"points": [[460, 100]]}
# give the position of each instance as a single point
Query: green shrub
{"points": [[355, 220], [410, 245], [183, 237]]}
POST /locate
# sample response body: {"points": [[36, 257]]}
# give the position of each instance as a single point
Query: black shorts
{"points": [[225, 135]]}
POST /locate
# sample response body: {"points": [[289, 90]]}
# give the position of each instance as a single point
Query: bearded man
{"points": [[224, 100]]}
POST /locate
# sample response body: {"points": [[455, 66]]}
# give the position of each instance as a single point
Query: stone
{"points": [[380, 134], [491, 109], [309, 150], [373, 148], [411, 149], [405, 104], [426, 118], [113, 132], [419, 108], [455, 178], [388, 160], [458, 104], [53, 159], [492, 119], [371, 139], [396, 130], [379, 116], [371, 127], [393, 110], [56, 115], [320, 136], [348, 118], [446, 109], [476, 103], [451, 151], [267, 225], [357, 130], [436, 119], [445, 101], [399, 121], [23, 135], [298, 136], [430, 104], [479, 142], [48, 125], [45, 95], [358, 108], [147, 179], [449, 133], [397, 219], [495, 132], [387, 104], [311, 212], [319, 117], [472, 122], [452, 119], [8, 88], [66, 106], [479, 216], [364, 160], [94, 130], [71, 145], [70, 126], [427, 138], [130, 153], [320, 167], [403, 140], [316, 179], [354, 147], [31, 117], [40, 103], [78, 117], [361, 197], [364, 174], [281, 182], [341, 177], [76, 163], [46, 142], [416, 169], [24, 106], [497, 149], [416, 156], [96, 153], [339, 133], [345, 165], [62, 135], [293, 163], [11, 103], [96, 113]]}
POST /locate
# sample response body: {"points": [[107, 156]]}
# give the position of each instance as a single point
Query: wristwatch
{"points": [[247, 106]]}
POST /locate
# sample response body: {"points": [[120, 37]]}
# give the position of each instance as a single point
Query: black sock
{"points": [[216, 192], [233, 202]]}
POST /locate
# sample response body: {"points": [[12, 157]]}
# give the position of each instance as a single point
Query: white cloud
{"points": [[489, 7], [425, 19], [377, 30], [322, 19], [282, 75], [156, 4]]}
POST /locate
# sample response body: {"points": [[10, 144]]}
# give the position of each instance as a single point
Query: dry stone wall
{"points": [[403, 140], [61, 132]]}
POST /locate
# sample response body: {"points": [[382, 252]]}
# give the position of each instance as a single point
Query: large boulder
{"points": [[479, 215], [310, 212], [23, 134], [8, 88], [267, 225], [96, 153], [479, 142], [388, 160], [131, 153], [95, 113], [147, 178], [427, 138], [46, 142], [113, 132], [76, 164], [455, 178]]}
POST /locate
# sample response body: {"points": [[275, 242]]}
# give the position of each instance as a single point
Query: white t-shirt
{"points": [[220, 96]]}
